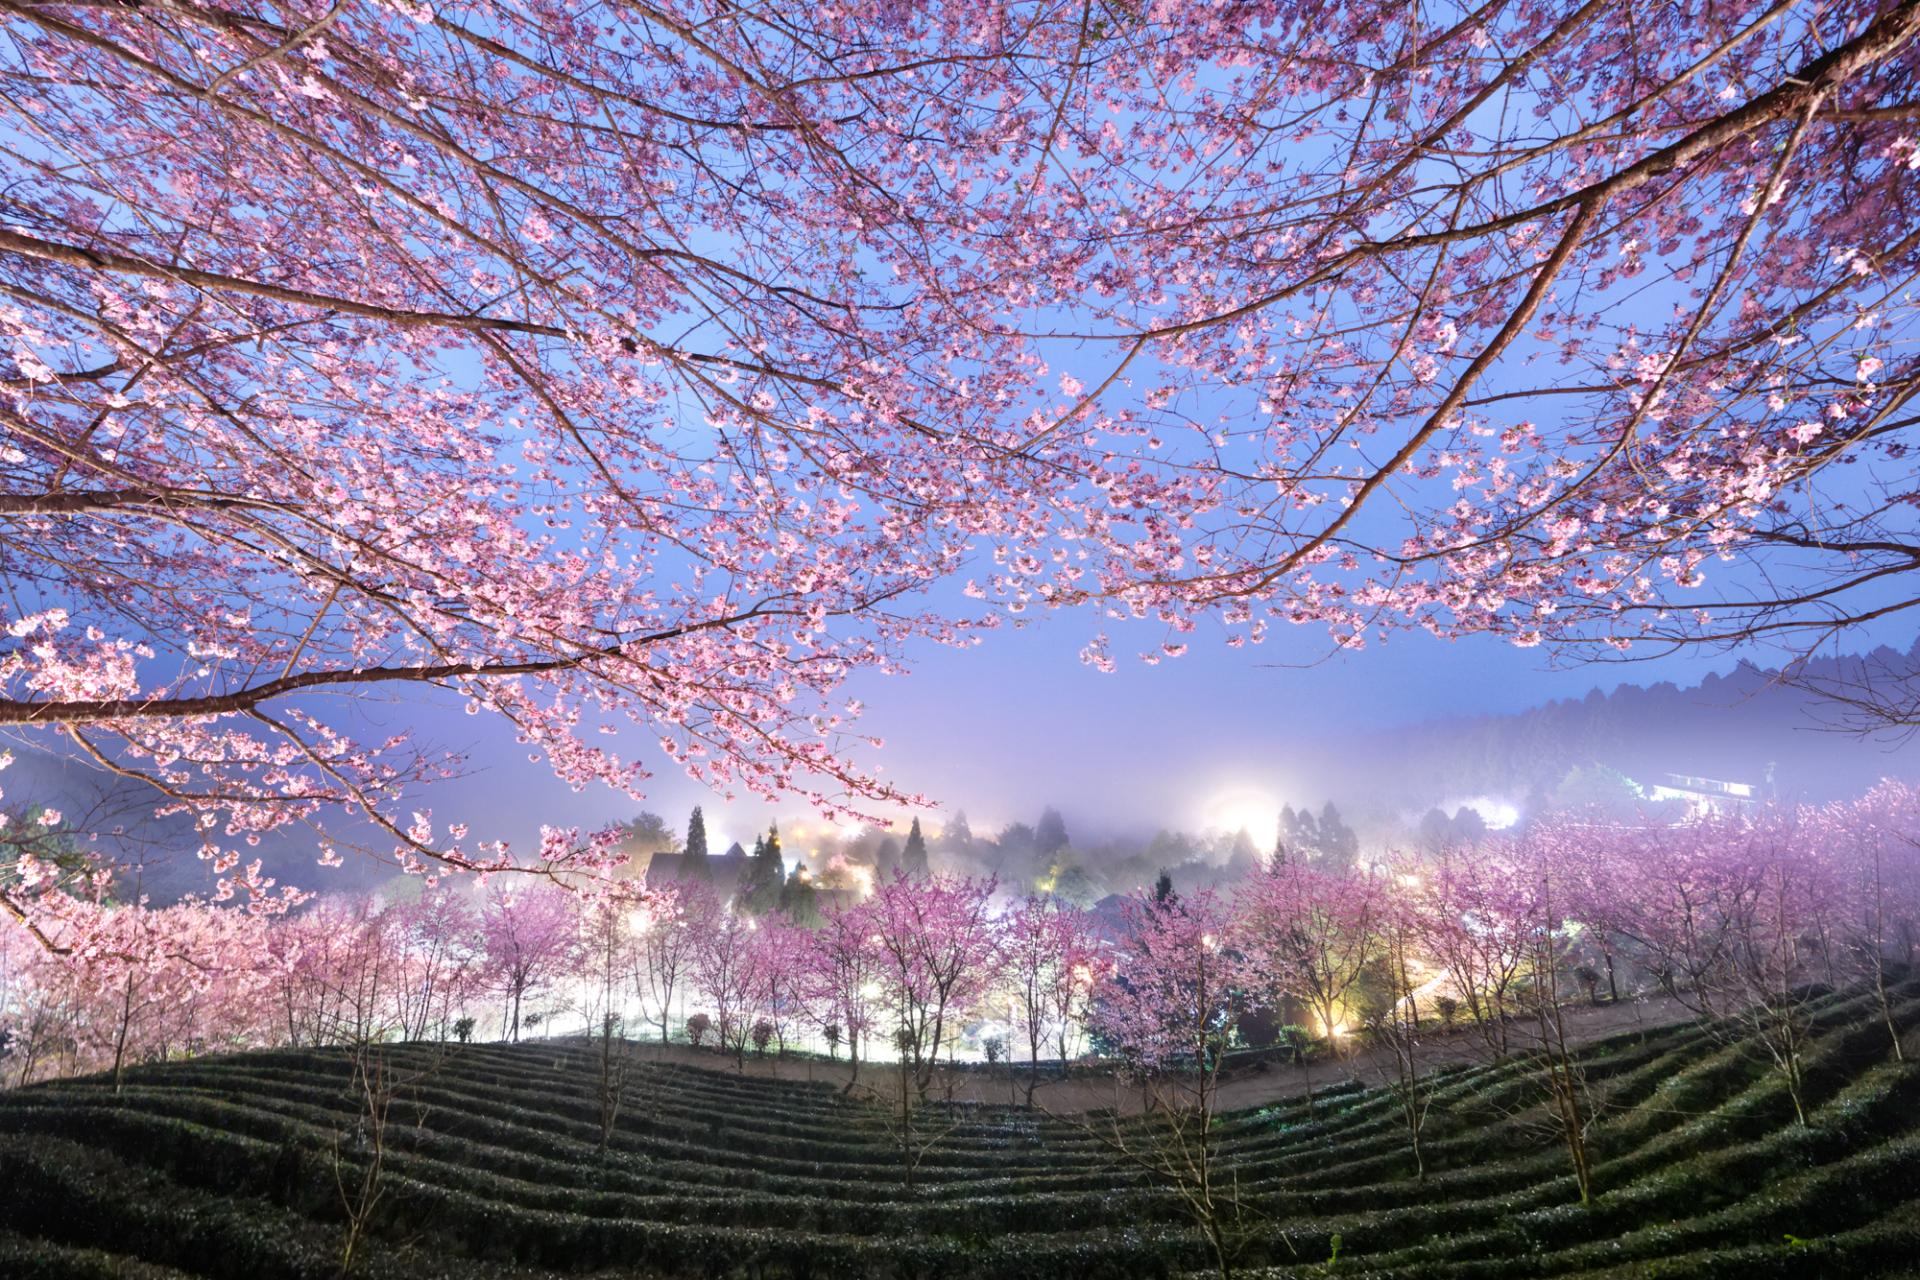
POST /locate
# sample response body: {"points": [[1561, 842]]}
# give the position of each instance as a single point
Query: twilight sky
{"points": [[1214, 738]]}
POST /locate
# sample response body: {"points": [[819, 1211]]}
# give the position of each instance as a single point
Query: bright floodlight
{"points": [[1242, 809]]}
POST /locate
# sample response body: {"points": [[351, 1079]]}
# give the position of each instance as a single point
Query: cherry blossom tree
{"points": [[337, 971], [530, 939], [718, 333], [1874, 841], [1314, 933], [183, 978], [1395, 1023], [1558, 1067], [780, 953], [725, 968], [1169, 1007], [936, 955], [842, 978], [669, 928], [440, 954], [1050, 962], [1476, 916], [1781, 937], [605, 961], [1738, 915], [42, 1011]]}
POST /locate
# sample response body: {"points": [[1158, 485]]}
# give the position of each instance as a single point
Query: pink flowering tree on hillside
{"points": [[1874, 846], [339, 971], [440, 958], [1739, 916], [1783, 936], [41, 1010], [695, 447], [780, 954], [1475, 912], [1395, 1024], [608, 946], [1181, 976], [842, 978], [148, 984], [1169, 1007], [1050, 963], [181, 979], [300, 960], [937, 954], [726, 972], [530, 939], [668, 931], [1313, 933], [1547, 932]]}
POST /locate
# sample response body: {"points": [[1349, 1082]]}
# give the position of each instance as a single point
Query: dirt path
{"points": [[1254, 1086]]}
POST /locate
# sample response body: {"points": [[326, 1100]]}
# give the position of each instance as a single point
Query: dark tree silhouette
{"points": [[760, 888], [1050, 835], [696, 865], [913, 859]]}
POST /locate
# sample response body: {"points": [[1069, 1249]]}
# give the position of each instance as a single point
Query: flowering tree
{"points": [[1874, 841], [1049, 966], [1476, 915], [780, 953], [41, 1011], [1314, 932], [1559, 1069], [716, 335], [1780, 937], [1179, 981], [606, 960], [725, 970], [1169, 1007], [153, 982], [1395, 1023], [440, 958], [338, 971], [669, 928], [936, 954], [1736, 915], [841, 978], [530, 938]]}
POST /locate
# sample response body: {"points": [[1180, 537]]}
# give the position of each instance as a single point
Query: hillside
{"points": [[1733, 726], [491, 1166]]}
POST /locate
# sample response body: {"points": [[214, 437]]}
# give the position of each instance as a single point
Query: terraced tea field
{"points": [[492, 1165]]}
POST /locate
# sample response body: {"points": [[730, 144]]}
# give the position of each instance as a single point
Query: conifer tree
{"points": [[886, 860], [800, 900], [913, 860], [761, 886], [696, 865], [1339, 844], [1050, 835]]}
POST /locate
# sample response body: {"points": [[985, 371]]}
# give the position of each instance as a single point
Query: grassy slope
{"points": [[225, 1168]]}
